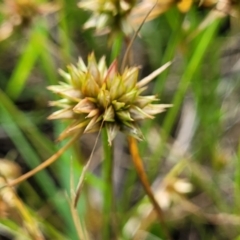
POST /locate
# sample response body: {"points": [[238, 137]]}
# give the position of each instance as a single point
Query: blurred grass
{"points": [[25, 64], [214, 174]]}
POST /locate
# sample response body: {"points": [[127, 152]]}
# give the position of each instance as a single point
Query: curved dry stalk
{"points": [[79, 225], [154, 74], [82, 177], [137, 161], [127, 52], [43, 165]]}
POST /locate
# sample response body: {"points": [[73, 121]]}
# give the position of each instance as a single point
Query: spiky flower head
{"points": [[109, 15], [94, 96]]}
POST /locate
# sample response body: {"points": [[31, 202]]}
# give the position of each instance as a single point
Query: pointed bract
{"points": [[109, 115], [84, 106], [112, 129]]}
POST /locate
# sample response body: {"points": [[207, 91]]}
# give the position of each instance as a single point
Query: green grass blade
{"points": [[43, 145], [191, 69], [30, 156], [26, 63]]}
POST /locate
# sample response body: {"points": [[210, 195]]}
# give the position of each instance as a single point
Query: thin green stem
{"points": [[109, 188], [116, 47], [64, 34], [108, 165]]}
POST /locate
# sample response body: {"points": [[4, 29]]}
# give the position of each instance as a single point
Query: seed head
{"points": [[94, 96], [109, 15]]}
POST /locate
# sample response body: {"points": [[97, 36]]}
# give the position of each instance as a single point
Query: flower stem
{"points": [[108, 204], [117, 47], [108, 165]]}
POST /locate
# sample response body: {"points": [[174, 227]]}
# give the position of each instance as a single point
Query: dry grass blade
{"points": [[215, 218], [80, 228], [154, 74], [43, 165], [127, 52], [29, 223], [81, 179], [137, 161]]}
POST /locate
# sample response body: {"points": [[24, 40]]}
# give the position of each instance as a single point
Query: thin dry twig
{"points": [[127, 52], [81, 179], [80, 227], [154, 74], [43, 165]]}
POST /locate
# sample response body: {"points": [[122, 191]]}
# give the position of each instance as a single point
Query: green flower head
{"points": [[109, 15], [95, 96]]}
